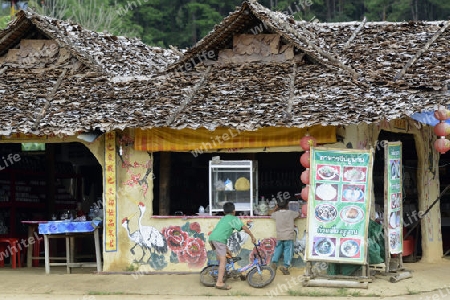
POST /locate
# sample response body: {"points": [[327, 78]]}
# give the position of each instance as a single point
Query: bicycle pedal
{"points": [[243, 277], [233, 259]]}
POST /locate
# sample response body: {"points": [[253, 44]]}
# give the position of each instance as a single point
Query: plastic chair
{"points": [[37, 252], [9, 247]]}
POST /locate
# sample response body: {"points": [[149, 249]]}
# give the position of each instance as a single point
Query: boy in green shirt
{"points": [[219, 236]]}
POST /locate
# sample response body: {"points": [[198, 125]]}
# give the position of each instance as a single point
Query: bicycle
{"points": [[257, 273]]}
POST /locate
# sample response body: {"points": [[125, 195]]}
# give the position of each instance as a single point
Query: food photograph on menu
{"points": [[355, 174], [326, 191], [349, 248], [324, 246], [328, 172], [353, 192]]}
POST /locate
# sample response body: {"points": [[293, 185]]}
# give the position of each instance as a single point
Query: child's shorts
{"points": [[220, 248]]}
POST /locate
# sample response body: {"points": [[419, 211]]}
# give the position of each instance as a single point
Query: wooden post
{"points": [[51, 178], [164, 183], [401, 276]]}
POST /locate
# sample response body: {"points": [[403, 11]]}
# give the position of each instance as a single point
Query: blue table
{"points": [[69, 230]]}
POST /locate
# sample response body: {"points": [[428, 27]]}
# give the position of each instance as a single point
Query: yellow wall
{"points": [[132, 189], [263, 230]]}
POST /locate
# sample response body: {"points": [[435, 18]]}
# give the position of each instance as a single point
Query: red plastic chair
{"points": [[36, 252], [10, 247]]}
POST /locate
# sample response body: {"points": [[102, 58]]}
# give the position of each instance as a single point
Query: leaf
{"points": [[173, 258], [157, 262], [186, 228], [200, 236]]}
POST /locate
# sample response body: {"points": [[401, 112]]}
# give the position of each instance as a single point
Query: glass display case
{"points": [[234, 181]]}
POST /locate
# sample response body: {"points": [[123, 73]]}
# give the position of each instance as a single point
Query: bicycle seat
{"points": [[233, 259]]}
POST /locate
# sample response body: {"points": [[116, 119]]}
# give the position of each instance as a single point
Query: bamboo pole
{"points": [[189, 97], [361, 26], [49, 99], [401, 276], [421, 51], [335, 283]]}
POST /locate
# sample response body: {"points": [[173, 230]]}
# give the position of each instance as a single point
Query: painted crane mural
{"points": [[152, 238], [135, 237]]}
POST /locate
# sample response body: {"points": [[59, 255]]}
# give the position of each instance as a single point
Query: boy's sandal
{"points": [[223, 287]]}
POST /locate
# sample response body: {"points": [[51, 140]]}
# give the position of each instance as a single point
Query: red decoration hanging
{"points": [[442, 145], [442, 114], [305, 192], [304, 210], [305, 160], [307, 141], [442, 129], [305, 176]]}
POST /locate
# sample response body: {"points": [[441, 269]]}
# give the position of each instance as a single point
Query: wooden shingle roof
{"points": [[385, 71]]}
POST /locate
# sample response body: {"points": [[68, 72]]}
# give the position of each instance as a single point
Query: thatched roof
{"points": [[331, 77], [376, 51], [100, 52]]}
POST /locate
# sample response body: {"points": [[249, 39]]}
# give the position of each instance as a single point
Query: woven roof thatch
{"points": [[334, 77]]}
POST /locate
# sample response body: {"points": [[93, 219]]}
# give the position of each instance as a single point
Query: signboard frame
{"points": [[345, 162], [393, 208]]}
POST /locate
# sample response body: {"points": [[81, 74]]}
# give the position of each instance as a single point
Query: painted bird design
{"points": [[238, 239], [299, 244], [135, 237], [153, 240]]}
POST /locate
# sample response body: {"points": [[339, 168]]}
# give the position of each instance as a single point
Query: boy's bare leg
{"points": [[222, 263]]}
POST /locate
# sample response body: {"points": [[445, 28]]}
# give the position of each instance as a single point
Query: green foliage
{"points": [[4, 21], [96, 15], [183, 23]]}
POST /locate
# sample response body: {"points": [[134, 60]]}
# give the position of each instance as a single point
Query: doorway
{"points": [[444, 178], [39, 181], [410, 197]]}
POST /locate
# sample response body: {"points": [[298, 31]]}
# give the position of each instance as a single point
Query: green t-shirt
{"points": [[225, 228]]}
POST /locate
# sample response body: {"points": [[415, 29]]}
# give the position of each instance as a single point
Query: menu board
{"points": [[393, 203], [338, 205]]}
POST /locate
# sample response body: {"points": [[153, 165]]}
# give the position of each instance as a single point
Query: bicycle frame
{"points": [[229, 267]]}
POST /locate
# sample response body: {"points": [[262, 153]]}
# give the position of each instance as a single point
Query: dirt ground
{"points": [[429, 281]]}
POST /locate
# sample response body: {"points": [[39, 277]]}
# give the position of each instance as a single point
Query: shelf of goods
{"points": [[23, 196], [233, 181]]}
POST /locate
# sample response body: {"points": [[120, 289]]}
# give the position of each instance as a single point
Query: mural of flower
{"points": [[266, 250], [194, 254], [253, 254], [268, 245], [176, 238], [195, 226]]}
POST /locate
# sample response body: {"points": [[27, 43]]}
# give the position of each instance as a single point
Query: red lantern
{"points": [[307, 141], [305, 176], [442, 114], [442, 145], [442, 129], [305, 160], [305, 192], [304, 210]]}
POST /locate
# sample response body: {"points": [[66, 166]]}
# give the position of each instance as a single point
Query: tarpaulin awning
{"points": [[427, 117], [203, 140]]}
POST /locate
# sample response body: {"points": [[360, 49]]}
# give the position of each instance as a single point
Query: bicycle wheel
{"points": [[259, 280], [208, 276]]}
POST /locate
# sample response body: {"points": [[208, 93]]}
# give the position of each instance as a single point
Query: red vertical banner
{"points": [[110, 211]]}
